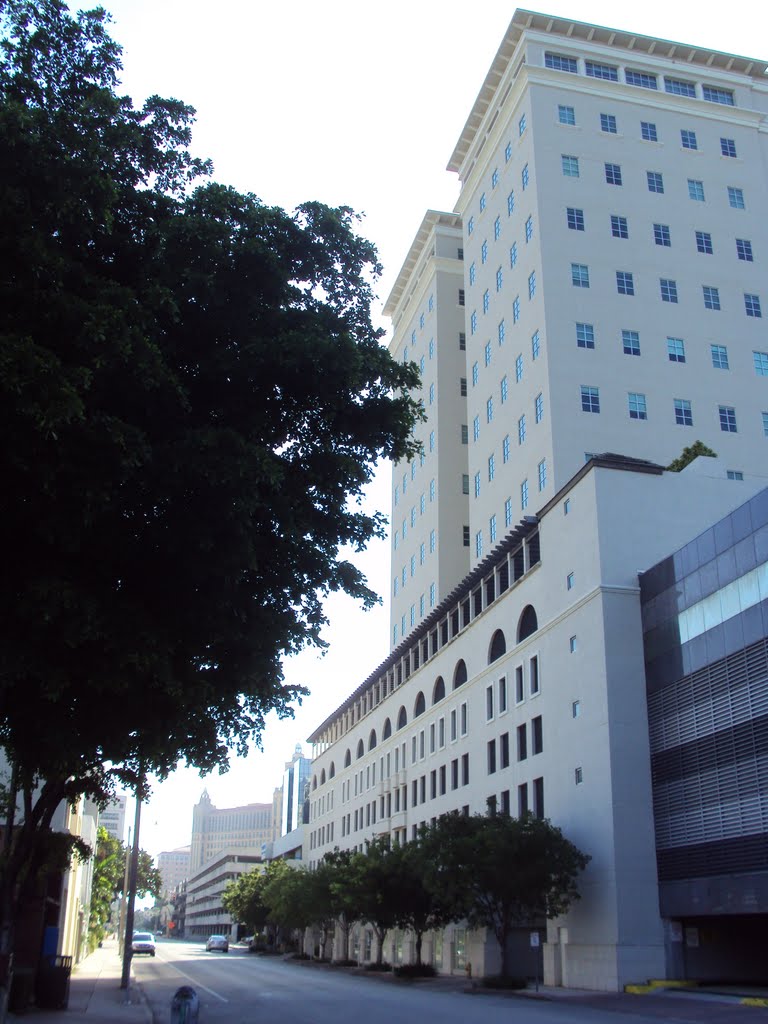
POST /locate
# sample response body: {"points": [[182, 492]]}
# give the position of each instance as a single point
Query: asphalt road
{"points": [[238, 988]]}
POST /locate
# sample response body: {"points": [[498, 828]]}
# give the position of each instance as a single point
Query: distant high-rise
{"points": [[295, 778], [173, 866], [112, 818], [228, 828]]}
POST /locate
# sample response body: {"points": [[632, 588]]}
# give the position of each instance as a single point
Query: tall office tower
{"points": [[112, 818], [295, 779], [227, 828], [615, 220], [430, 493], [173, 866]]}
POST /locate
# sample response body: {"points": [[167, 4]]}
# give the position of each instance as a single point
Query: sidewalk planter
{"points": [[52, 989]]}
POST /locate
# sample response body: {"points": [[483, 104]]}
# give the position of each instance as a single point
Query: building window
{"points": [[590, 399], [492, 529], [655, 181], [585, 336], [477, 485], [464, 537], [465, 483], [479, 544], [486, 300], [576, 709], [482, 201], [727, 418], [566, 115], [513, 255], [688, 139], [715, 95], [472, 273], [558, 62], [522, 742], [508, 152], [431, 490], [497, 229], [608, 123], [537, 735], [625, 283], [683, 413], [463, 387], [521, 125], [491, 467], [728, 147], [760, 360], [535, 345], [736, 197], [630, 341], [648, 131], [510, 203], [524, 494], [640, 78], [696, 190], [704, 242], [484, 252], [462, 341], [578, 776], [744, 250], [539, 407], [637, 407], [508, 512], [542, 474], [764, 416], [580, 275], [572, 645], [528, 229], [668, 290], [518, 369], [531, 284], [515, 309], [734, 474], [607, 72], [570, 165], [676, 350], [505, 448], [719, 357], [752, 305], [575, 218], [431, 394], [661, 234], [499, 279], [495, 177], [521, 429], [475, 373], [711, 297], [525, 177], [492, 758], [613, 174], [679, 87], [570, 581], [502, 332], [619, 228]]}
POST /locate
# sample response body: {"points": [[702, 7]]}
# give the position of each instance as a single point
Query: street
{"points": [[237, 987]]}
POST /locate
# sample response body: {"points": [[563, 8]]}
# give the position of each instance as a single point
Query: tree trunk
{"points": [[419, 938]]}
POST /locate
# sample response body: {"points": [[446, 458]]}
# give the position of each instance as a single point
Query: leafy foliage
{"points": [[109, 878], [688, 454]]}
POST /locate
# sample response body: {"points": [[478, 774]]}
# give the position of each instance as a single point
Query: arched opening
{"points": [[498, 646], [372, 739], [322, 777], [387, 730], [528, 623], [459, 675], [332, 771], [314, 782], [360, 749], [402, 718], [420, 706], [347, 759], [439, 691]]}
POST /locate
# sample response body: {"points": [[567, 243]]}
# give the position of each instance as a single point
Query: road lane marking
{"points": [[199, 984]]}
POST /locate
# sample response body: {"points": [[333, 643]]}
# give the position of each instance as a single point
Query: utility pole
{"points": [[132, 879], [124, 897]]}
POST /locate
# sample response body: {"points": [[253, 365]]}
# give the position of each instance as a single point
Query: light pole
{"points": [[132, 879]]}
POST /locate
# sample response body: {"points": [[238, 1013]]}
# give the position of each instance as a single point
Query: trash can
{"points": [[52, 988], [185, 1006]]}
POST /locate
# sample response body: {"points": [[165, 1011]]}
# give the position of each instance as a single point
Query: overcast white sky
{"points": [[357, 103]]}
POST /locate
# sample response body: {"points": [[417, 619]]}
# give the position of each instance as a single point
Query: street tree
{"points": [[374, 877], [192, 400], [109, 860], [243, 900], [423, 905]]}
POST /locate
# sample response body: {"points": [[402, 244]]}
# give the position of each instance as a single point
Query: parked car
{"points": [[143, 942], [220, 942]]}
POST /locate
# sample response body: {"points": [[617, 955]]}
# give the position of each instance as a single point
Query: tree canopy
{"points": [[109, 878]]}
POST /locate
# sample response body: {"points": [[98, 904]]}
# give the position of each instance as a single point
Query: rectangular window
{"points": [[464, 433], [585, 335], [719, 357], [576, 709], [734, 474], [465, 537], [497, 229], [515, 309], [580, 275], [495, 177], [537, 736], [630, 341], [508, 152], [637, 407], [482, 201], [744, 250], [625, 282], [462, 341], [535, 345], [524, 494], [486, 300], [640, 78], [522, 743], [479, 544], [502, 684], [539, 407], [570, 165], [736, 197], [655, 181], [525, 177], [504, 388], [696, 190], [570, 581], [566, 115], [502, 330], [521, 126], [704, 242], [760, 360], [608, 123], [521, 429], [476, 428], [590, 399], [613, 174], [727, 418], [531, 284], [491, 754], [752, 305], [683, 413], [538, 798], [688, 139], [668, 290], [492, 529], [513, 255], [522, 799], [455, 773], [484, 252], [575, 218], [542, 468], [648, 131], [473, 323], [715, 95], [477, 485], [711, 296], [676, 350], [465, 483], [661, 234], [607, 72], [491, 467], [728, 147], [528, 229], [489, 703], [508, 512], [499, 279], [475, 373], [519, 369], [765, 423], [679, 87], [504, 750], [519, 689], [487, 353], [472, 273], [510, 203], [619, 227], [558, 62], [533, 670]]}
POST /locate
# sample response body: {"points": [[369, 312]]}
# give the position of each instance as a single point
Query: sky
{"points": [[355, 103]]}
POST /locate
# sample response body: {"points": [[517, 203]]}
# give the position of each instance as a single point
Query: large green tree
{"points": [[109, 880], [192, 400]]}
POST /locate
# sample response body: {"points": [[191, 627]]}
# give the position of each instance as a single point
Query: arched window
{"points": [[439, 691], [360, 749], [528, 623], [347, 759], [314, 782], [387, 732], [420, 706], [460, 675], [332, 771], [402, 718], [372, 739], [498, 646], [322, 777]]}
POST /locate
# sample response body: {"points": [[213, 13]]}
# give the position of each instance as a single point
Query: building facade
{"points": [[294, 796], [598, 289], [216, 829], [112, 818], [204, 913], [173, 866]]}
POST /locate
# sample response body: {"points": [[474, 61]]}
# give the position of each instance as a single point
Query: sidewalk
{"points": [[95, 994]]}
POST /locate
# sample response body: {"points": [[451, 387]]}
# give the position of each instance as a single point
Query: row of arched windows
{"points": [[526, 625]]}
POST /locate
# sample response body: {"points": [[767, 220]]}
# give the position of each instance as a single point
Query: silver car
{"points": [[220, 942], [143, 942]]}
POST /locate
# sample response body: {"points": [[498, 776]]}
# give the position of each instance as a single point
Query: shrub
{"points": [[415, 971], [503, 981], [343, 963], [383, 966]]}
